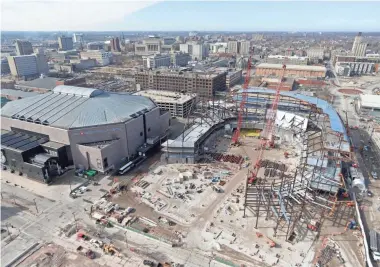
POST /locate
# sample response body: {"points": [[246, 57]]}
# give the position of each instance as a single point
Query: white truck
{"points": [[374, 244]]}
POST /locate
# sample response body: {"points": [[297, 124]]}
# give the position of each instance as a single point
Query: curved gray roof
{"points": [[71, 107], [78, 91]]}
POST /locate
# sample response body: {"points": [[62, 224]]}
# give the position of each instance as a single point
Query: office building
{"points": [[81, 127], [179, 105], [180, 59], [358, 47], [291, 60], [266, 69], [186, 48], [65, 43], [115, 44], [233, 77], [42, 63], [200, 51], [102, 57], [203, 84], [23, 48], [245, 47], [233, 47], [156, 61], [28, 66]]}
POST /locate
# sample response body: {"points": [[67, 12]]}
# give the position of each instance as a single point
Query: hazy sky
{"points": [[86, 15]]}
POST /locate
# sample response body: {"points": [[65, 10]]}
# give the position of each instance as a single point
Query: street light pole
{"points": [[35, 203]]}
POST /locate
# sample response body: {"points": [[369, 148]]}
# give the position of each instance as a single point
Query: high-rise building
{"points": [[23, 48], [358, 47], [200, 51], [245, 47], [65, 43], [233, 47], [156, 61], [23, 66], [115, 44]]}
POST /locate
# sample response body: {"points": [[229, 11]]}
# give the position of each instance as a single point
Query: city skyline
{"points": [[192, 15]]}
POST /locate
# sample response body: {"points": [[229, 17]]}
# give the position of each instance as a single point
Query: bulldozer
{"points": [[110, 249]]}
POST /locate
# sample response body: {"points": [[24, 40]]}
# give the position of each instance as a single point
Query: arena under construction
{"points": [[304, 183]]}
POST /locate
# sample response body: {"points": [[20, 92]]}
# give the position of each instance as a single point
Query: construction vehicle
{"points": [[313, 225], [271, 243], [110, 249]]}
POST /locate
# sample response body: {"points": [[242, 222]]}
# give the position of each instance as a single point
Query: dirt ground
{"points": [[53, 255]]}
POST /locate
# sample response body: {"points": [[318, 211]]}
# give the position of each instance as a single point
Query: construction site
{"points": [[260, 178]]}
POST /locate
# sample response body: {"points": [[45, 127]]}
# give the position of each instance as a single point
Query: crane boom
{"points": [[244, 97], [268, 137]]}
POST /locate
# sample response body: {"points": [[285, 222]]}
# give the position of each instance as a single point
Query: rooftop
{"points": [[70, 107], [44, 83], [17, 93], [291, 67], [372, 101], [166, 96]]}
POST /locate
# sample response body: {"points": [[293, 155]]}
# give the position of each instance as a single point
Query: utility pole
{"points": [[35, 203], [75, 221]]}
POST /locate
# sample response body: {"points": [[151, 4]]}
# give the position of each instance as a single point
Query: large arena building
{"points": [[87, 128]]}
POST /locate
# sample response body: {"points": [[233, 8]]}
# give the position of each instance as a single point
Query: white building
{"points": [[354, 68], [186, 48], [102, 58], [233, 47], [155, 45], [156, 61], [358, 47], [368, 103], [293, 60], [179, 105], [245, 47]]}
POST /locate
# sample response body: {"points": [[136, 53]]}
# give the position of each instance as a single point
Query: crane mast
{"points": [[244, 97]]}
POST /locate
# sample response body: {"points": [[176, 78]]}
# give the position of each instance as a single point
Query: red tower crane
{"points": [[244, 97], [267, 138]]}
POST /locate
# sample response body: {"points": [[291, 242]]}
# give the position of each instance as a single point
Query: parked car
{"points": [[369, 193], [148, 263], [374, 175]]}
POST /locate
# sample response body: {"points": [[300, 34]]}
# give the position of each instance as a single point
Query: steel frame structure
{"points": [[286, 199]]}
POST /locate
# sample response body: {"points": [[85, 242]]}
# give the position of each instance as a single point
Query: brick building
{"points": [[203, 84]]}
